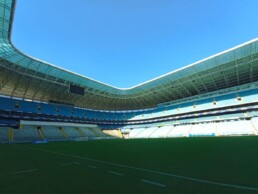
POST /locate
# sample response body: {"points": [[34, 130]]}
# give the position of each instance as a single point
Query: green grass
{"points": [[67, 167]]}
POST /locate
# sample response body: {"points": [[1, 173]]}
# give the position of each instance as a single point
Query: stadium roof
{"points": [[26, 77]]}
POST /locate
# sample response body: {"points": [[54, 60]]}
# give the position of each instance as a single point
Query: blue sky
{"points": [[126, 42]]}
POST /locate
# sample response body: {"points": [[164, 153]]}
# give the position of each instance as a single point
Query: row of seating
{"points": [[237, 98], [219, 101], [223, 128], [30, 133]]}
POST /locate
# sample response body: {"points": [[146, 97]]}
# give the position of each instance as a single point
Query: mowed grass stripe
{"points": [[151, 171]]}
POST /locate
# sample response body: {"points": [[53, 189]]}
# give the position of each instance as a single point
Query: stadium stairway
{"points": [[180, 131], [146, 133], [169, 131], [216, 129], [159, 132], [61, 129], [10, 135], [120, 133], [41, 134], [255, 127], [140, 133], [71, 132], [157, 128], [80, 132], [96, 131], [133, 133]]}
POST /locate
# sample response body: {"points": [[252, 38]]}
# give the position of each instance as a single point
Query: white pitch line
{"points": [[115, 173], [94, 167], [25, 171], [152, 171], [70, 163], [153, 183]]}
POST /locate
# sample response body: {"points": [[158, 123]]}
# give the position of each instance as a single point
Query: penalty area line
{"points": [[151, 171]]}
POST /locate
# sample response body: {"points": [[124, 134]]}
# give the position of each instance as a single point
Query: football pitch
{"points": [[200, 165]]}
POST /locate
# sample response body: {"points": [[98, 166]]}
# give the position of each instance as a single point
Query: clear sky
{"points": [[126, 42]]}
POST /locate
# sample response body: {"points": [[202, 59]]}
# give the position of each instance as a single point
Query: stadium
{"points": [[193, 130]]}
